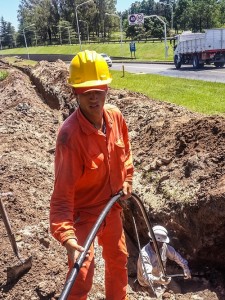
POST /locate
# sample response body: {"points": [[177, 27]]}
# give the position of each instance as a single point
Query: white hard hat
{"points": [[161, 234]]}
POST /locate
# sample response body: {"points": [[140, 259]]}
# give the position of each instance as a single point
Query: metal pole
{"points": [[69, 34], [88, 32], [121, 42], [24, 35], [165, 41], [60, 37], [1, 42], [35, 37], [78, 29], [172, 17], [165, 38], [121, 36]]}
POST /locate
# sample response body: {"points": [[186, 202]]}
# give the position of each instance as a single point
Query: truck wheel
{"points": [[176, 62], [195, 62], [218, 64]]}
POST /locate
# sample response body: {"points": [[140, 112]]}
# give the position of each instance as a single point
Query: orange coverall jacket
{"points": [[90, 167]]}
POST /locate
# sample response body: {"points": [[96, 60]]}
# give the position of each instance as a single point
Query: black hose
{"points": [[76, 268]]}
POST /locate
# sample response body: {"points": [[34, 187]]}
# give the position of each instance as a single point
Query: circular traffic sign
{"points": [[132, 18], [140, 18]]}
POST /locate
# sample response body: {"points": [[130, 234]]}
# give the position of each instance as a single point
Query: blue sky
{"points": [[8, 9]]}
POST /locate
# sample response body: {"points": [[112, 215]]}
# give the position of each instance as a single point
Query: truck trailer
{"points": [[199, 49]]}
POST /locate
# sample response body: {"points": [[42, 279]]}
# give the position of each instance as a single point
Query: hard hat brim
{"points": [[83, 90]]}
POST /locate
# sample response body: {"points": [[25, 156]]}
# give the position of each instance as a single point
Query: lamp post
{"points": [[78, 29], [171, 6], [87, 29], [165, 39], [25, 40], [121, 29], [121, 35]]}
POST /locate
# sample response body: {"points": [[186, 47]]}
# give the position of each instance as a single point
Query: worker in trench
{"points": [[148, 267], [93, 162]]}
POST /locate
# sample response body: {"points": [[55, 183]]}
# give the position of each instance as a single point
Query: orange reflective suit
{"points": [[90, 167]]}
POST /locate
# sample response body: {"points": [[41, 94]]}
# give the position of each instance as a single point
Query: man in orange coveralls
{"points": [[93, 162]]}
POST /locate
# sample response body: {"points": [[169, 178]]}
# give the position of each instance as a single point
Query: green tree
{"points": [[205, 15], [183, 15]]}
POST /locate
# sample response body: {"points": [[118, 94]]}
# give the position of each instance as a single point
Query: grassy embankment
{"points": [[144, 51], [196, 95]]}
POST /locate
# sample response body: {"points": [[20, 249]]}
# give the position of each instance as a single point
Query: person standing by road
{"points": [[148, 268], [93, 162]]}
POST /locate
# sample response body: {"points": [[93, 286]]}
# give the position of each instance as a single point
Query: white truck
{"points": [[199, 49]]}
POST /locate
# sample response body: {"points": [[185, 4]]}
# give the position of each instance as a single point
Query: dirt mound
{"points": [[179, 162]]}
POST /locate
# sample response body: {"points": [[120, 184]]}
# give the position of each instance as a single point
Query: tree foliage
{"points": [[55, 21]]}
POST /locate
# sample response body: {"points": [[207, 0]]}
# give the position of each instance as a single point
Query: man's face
{"points": [[160, 244], [91, 103]]}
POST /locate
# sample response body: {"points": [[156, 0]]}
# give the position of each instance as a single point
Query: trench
{"points": [[197, 229]]}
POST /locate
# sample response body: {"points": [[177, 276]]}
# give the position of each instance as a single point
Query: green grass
{"points": [[144, 51], [195, 95], [20, 62], [3, 74]]}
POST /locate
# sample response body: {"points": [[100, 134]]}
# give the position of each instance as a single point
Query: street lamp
{"points": [[121, 28], [121, 35], [87, 28], [78, 30], [25, 40], [171, 6], [164, 23]]}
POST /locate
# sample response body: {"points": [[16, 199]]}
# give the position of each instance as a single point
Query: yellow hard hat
{"points": [[87, 69]]}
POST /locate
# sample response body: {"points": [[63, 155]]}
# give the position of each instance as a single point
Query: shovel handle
{"points": [[8, 228]]}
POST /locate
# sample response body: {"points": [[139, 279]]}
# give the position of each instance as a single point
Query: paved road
{"points": [[208, 73]]}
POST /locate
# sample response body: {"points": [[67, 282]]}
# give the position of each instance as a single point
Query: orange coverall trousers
{"points": [[114, 251]]}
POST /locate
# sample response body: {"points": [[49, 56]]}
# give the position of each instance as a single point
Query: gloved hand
{"points": [[164, 280], [187, 274]]}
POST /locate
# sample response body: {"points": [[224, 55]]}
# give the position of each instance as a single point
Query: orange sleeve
{"points": [[129, 160], [67, 170]]}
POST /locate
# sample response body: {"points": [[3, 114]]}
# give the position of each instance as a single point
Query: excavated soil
{"points": [[179, 159]]}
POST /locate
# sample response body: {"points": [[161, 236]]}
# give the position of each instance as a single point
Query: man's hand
{"points": [[164, 280], [127, 189], [73, 250], [187, 274]]}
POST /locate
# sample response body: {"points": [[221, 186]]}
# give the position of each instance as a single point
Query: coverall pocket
{"points": [[120, 150], [95, 162]]}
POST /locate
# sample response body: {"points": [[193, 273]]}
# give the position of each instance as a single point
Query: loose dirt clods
{"points": [[179, 159]]}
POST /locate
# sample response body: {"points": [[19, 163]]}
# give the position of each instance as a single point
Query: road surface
{"points": [[208, 73]]}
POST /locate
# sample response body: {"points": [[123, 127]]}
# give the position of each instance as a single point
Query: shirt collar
{"points": [[87, 127]]}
